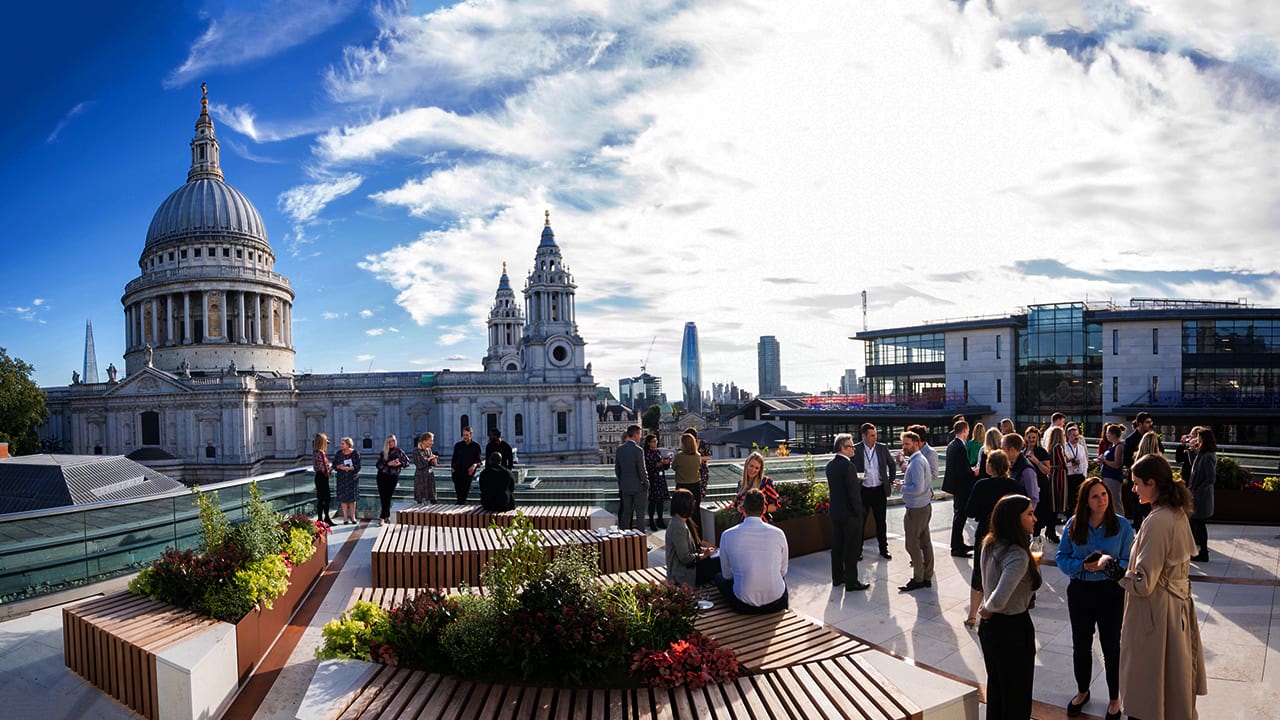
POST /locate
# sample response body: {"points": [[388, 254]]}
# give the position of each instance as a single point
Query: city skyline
{"points": [[950, 159]]}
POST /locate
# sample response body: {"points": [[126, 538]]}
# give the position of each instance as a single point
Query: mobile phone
{"points": [[1094, 556]]}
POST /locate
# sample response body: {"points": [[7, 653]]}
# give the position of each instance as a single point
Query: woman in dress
{"points": [[346, 462], [1057, 441], [973, 445], [1204, 471], [982, 500], [1161, 659], [320, 463], [753, 478], [424, 473], [1038, 456], [1111, 466], [390, 462], [497, 485], [990, 446], [685, 549], [656, 467], [1008, 637], [1091, 538]]}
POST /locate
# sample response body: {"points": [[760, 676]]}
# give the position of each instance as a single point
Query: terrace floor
{"points": [[1236, 594]]}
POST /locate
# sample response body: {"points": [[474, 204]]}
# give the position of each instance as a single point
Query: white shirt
{"points": [[1077, 457], [871, 465], [755, 556]]}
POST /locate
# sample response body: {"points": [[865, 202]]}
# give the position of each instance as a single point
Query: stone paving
{"points": [[1238, 611]]}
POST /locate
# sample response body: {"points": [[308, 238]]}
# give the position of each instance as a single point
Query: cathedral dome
{"points": [[202, 207]]}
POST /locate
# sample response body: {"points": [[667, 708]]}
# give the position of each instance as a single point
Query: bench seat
{"points": [[543, 517]]}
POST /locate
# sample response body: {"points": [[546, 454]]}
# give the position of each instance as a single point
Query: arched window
{"points": [[519, 425]]}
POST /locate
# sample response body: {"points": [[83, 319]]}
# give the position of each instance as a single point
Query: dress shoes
{"points": [[961, 553], [1112, 715], [885, 554], [913, 584], [1201, 557], [857, 585], [1074, 709]]}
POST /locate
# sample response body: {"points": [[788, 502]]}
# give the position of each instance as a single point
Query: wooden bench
{"points": [[112, 643], [412, 556], [845, 687], [543, 517]]}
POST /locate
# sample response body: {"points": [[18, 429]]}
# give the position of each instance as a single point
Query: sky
{"points": [[748, 166]]}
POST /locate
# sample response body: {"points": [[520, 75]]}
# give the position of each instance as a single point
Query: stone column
{"points": [[257, 321], [168, 320], [155, 322], [287, 318], [204, 315], [128, 328], [240, 305], [226, 324], [186, 317]]}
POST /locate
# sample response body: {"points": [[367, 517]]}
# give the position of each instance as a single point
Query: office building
{"points": [[769, 366], [691, 369]]}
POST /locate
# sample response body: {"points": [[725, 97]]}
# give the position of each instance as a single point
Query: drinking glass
{"points": [[1037, 548]]}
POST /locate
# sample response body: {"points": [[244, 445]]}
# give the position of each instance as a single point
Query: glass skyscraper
{"points": [[769, 365], [691, 369]]}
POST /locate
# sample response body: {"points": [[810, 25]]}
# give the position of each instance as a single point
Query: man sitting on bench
{"points": [[753, 562]]}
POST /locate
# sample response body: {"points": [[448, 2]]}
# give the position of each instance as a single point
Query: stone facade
{"points": [[209, 391]]}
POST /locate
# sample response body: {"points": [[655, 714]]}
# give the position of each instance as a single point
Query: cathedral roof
{"points": [[206, 205], [548, 235]]}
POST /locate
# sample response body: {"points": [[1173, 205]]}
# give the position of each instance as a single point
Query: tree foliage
{"points": [[22, 405], [649, 420]]}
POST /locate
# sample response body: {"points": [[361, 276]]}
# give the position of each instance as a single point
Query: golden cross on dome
{"points": [[504, 267], [547, 213]]}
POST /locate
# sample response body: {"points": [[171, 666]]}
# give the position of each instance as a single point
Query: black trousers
{"points": [[322, 497], [386, 487], [958, 520], [1200, 532], [725, 585], [846, 546], [1009, 653], [1045, 515], [1096, 604], [875, 503], [461, 487], [1073, 491]]}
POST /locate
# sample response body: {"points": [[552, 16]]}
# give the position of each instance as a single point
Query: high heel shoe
{"points": [[1074, 709], [1112, 715]]}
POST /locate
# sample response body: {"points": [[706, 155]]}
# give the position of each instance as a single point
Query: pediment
{"points": [[148, 381]]}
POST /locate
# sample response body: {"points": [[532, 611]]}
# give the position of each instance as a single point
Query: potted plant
{"points": [[1240, 498]]}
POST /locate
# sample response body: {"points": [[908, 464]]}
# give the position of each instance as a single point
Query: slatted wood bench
{"points": [[112, 643], [838, 688], [543, 517], [412, 556]]}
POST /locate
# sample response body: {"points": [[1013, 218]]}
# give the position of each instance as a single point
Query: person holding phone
{"points": [[1093, 538]]}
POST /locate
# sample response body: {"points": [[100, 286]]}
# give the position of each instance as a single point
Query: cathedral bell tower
{"points": [[506, 322], [552, 346]]}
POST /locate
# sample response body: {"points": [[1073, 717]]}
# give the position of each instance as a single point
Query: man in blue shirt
{"points": [[917, 495]]}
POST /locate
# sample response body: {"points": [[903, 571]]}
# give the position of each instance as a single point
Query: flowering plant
{"points": [[693, 662], [1271, 484]]}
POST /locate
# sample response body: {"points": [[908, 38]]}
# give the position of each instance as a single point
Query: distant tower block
{"points": [[90, 373], [691, 369]]}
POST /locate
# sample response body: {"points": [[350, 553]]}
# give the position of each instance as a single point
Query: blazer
{"points": [[1204, 472], [888, 469], [846, 494], [958, 479], [628, 467]]}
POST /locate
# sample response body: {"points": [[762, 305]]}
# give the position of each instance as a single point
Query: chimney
{"points": [[4, 450]]}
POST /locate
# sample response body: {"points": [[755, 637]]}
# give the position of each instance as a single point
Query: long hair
{"points": [[1208, 441], [998, 465], [1170, 492], [1080, 525], [1006, 527], [1057, 437], [386, 446], [1148, 445], [749, 483], [979, 432], [992, 440], [319, 441]]}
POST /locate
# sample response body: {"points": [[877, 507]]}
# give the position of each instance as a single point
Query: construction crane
{"points": [[645, 363]]}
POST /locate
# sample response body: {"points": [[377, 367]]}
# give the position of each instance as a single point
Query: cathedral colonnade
{"points": [[190, 317]]}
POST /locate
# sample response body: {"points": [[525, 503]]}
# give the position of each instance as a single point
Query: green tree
{"points": [[650, 419], [22, 405]]}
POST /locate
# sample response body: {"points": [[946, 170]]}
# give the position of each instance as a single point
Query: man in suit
{"points": [[633, 481], [847, 517], [958, 481], [877, 470]]}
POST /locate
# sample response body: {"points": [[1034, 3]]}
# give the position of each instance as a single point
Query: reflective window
{"points": [[1231, 336], [906, 349]]}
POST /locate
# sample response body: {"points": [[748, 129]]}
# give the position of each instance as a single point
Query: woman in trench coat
{"points": [[1161, 660]]}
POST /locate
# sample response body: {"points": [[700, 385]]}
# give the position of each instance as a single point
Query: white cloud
{"points": [[366, 313], [239, 37], [76, 110], [330, 315], [753, 166], [364, 358], [304, 203], [38, 302], [375, 332]]}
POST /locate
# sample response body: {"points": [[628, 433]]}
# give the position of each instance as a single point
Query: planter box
{"points": [[259, 629], [1243, 506], [808, 534]]}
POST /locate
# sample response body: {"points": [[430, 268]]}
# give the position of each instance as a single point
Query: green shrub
{"points": [[354, 634], [414, 630], [511, 569], [300, 546], [471, 640], [215, 531], [259, 536], [1230, 475]]}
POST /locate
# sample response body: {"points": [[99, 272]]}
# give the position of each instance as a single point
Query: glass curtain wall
{"points": [[896, 372], [1059, 367]]}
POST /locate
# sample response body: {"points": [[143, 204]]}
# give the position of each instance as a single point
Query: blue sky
{"points": [[749, 166]]}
